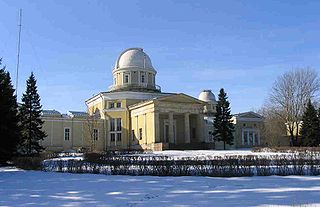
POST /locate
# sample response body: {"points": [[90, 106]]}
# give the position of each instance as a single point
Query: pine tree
{"points": [[30, 113], [223, 127], [310, 126], [9, 128]]}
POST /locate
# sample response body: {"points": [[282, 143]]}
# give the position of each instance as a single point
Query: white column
{"points": [[171, 138], [186, 128]]}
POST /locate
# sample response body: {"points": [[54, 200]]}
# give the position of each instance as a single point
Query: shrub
{"points": [[28, 163]]}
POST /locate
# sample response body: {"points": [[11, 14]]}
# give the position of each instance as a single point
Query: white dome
{"points": [[133, 57], [207, 96]]}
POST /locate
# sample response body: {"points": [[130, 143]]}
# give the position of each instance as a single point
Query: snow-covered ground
{"points": [[36, 188]]}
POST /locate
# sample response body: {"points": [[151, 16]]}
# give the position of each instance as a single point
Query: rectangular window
{"points": [[119, 105], [118, 137], [115, 130], [132, 135], [112, 125], [142, 78], [126, 78], [140, 133], [112, 137], [67, 132], [95, 134], [118, 124], [111, 105]]}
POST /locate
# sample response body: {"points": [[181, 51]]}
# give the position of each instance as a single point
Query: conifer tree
{"points": [[9, 128], [223, 127], [310, 126], [30, 113]]}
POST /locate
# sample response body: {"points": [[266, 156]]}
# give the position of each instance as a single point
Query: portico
{"points": [[171, 120]]}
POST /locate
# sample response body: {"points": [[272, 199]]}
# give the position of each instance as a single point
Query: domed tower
{"points": [[133, 71], [208, 96]]}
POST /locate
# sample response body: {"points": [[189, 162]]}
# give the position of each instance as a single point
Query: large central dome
{"points": [[133, 58], [133, 71]]}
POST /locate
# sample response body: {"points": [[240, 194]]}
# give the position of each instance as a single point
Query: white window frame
{"points": [[116, 132], [95, 135], [145, 78], [124, 78], [64, 133]]}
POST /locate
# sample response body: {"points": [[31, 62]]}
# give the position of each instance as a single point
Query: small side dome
{"points": [[134, 57], [207, 96]]}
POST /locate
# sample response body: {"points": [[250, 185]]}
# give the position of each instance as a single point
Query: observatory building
{"points": [[135, 114]]}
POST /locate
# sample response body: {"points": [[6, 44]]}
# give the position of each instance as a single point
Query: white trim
{"points": [[64, 133], [98, 133]]}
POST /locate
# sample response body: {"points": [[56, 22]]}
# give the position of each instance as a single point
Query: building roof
{"points": [[77, 114], [170, 97], [207, 96], [133, 58], [50, 113]]}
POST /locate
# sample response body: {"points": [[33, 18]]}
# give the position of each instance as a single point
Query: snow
{"points": [[36, 188]]}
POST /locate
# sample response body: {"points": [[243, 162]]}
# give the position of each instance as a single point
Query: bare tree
{"points": [[274, 129], [290, 94], [92, 124]]}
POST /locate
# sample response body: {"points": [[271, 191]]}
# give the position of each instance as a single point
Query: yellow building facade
{"points": [[135, 114]]}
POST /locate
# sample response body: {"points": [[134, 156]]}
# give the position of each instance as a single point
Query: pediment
{"points": [[180, 98], [250, 114]]}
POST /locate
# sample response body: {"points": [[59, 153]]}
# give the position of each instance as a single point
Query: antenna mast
{"points": [[18, 57]]}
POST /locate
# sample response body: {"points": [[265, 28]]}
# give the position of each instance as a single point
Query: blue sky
{"points": [[242, 46]]}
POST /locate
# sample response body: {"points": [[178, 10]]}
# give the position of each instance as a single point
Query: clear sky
{"points": [[242, 46]]}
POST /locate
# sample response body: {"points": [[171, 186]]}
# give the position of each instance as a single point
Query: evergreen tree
{"points": [[310, 126], [223, 127], [9, 128], [30, 113]]}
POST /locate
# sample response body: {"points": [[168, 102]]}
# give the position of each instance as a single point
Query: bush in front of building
{"points": [[217, 166]]}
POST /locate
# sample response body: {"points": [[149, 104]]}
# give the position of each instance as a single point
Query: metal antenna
{"points": [[18, 57]]}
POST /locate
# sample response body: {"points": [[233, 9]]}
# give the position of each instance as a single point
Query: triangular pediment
{"points": [[249, 114], [180, 98]]}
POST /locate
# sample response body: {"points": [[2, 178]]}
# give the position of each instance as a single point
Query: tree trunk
{"points": [[224, 145]]}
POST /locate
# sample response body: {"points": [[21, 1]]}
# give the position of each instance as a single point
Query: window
{"points": [[95, 134], [142, 78], [126, 78], [115, 81], [115, 130], [111, 105], [140, 133], [67, 132], [118, 125], [113, 137], [119, 137], [112, 125], [119, 105], [132, 135]]}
